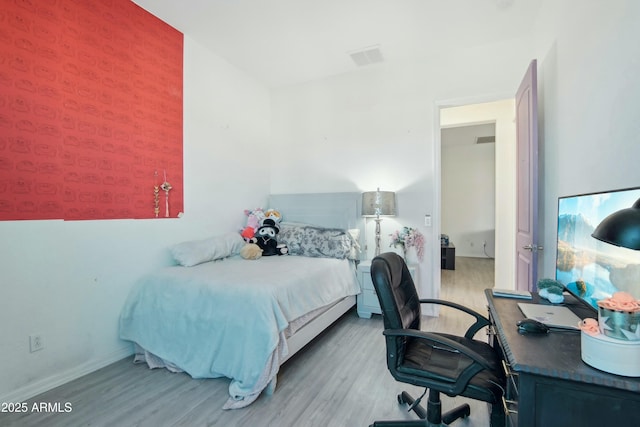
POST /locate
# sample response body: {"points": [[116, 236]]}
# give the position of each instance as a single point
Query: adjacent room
{"points": [[147, 136]]}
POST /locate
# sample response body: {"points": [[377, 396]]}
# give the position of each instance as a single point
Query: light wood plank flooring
{"points": [[340, 379]]}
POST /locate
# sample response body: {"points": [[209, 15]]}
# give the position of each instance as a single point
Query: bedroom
{"points": [[68, 280]]}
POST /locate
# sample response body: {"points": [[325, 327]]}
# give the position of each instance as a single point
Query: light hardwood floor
{"points": [[340, 379]]}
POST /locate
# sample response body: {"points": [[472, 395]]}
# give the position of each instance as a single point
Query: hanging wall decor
{"points": [[90, 106], [166, 187]]}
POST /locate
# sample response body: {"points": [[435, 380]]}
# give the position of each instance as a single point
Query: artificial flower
{"points": [[409, 237], [620, 301]]}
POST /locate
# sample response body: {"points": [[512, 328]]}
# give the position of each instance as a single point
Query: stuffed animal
{"points": [[273, 214], [265, 238], [248, 233], [551, 290], [251, 251], [254, 219]]}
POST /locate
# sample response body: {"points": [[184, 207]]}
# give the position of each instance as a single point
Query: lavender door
{"points": [[527, 181]]}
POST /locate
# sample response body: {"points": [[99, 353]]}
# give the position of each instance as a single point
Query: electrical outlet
{"points": [[35, 343]]}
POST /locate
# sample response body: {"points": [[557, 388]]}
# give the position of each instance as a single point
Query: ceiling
{"points": [[283, 42]]}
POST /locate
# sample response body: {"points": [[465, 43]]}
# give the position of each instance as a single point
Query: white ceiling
{"points": [[282, 42]]}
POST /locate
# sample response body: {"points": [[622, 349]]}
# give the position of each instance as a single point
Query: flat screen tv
{"points": [[590, 269]]}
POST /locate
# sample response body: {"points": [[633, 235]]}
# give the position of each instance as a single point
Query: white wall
{"points": [[589, 63], [468, 197], [375, 128], [68, 280]]}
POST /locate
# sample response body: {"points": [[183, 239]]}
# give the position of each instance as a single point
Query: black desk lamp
{"points": [[621, 228]]}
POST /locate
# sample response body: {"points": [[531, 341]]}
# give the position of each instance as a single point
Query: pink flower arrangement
{"points": [[409, 237], [620, 301]]}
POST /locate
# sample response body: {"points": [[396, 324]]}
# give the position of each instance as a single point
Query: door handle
{"points": [[532, 248]]}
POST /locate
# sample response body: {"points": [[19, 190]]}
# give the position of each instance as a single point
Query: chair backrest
{"points": [[397, 294], [399, 303]]}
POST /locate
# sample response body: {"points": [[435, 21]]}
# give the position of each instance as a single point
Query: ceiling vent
{"points": [[485, 139], [367, 56]]}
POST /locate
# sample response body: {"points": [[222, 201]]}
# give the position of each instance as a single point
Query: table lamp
{"points": [[376, 204], [621, 228]]}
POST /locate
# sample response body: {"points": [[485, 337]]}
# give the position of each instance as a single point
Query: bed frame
{"points": [[340, 210]]}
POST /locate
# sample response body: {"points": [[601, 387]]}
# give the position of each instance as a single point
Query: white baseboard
{"points": [[33, 389]]}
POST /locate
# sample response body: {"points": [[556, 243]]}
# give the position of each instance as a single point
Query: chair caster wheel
{"points": [[401, 399]]}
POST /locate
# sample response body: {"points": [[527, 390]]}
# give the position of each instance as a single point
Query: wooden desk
{"points": [[549, 383]]}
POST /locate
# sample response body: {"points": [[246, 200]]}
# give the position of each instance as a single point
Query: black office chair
{"points": [[443, 363]]}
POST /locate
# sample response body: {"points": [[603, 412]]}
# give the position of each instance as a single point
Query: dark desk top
{"points": [[556, 354]]}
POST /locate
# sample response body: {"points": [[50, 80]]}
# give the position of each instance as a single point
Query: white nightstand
{"points": [[367, 298]]}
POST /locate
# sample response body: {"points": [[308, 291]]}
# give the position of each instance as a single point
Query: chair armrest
{"points": [[481, 321], [473, 355], [480, 363]]}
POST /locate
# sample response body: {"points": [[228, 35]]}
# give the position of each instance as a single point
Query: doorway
{"points": [[468, 179], [501, 114]]}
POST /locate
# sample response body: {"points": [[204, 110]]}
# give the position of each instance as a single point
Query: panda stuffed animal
{"points": [[265, 238]]}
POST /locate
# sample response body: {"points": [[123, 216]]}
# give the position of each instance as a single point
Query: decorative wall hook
{"points": [[166, 187], [156, 195]]}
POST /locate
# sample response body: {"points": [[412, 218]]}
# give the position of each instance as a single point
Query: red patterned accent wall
{"points": [[90, 109]]}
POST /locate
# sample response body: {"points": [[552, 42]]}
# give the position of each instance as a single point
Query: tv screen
{"points": [[590, 269]]}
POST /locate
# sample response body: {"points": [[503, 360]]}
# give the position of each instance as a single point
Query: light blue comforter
{"points": [[225, 318]]}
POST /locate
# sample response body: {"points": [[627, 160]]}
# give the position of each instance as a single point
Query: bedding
{"points": [[314, 241], [229, 318]]}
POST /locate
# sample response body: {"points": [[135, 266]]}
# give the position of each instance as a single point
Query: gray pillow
{"points": [[314, 241]]}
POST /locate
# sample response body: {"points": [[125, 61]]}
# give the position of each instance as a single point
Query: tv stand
{"points": [[548, 383]]}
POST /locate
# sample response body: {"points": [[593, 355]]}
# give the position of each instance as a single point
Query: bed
{"points": [[242, 319]]}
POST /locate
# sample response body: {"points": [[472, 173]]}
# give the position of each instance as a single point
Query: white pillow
{"points": [[196, 252]]}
